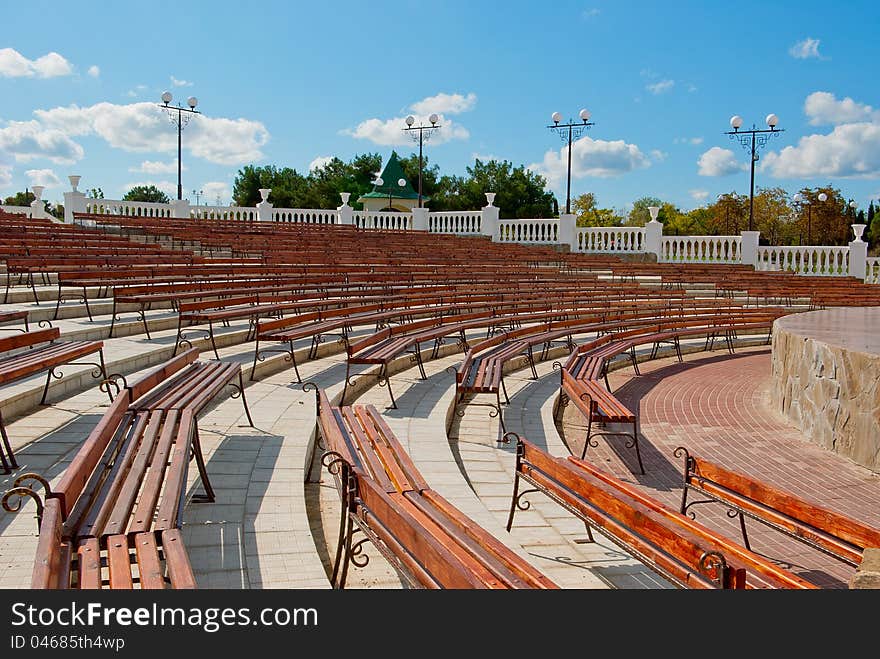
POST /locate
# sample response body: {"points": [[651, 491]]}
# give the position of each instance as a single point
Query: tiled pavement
{"points": [[268, 529], [718, 407]]}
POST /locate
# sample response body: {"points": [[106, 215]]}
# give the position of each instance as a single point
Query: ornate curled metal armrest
{"points": [[111, 381], [557, 365], [44, 323], [510, 435], [20, 491], [689, 461]]}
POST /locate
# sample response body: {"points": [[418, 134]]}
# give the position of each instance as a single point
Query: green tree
{"points": [[773, 217], [148, 193], [729, 214], [288, 187], [20, 199], [590, 215], [95, 193]]}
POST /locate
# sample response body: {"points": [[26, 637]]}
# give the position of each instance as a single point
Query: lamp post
{"points": [[570, 131], [197, 195], [181, 120], [423, 135], [751, 141], [379, 182], [803, 201]]}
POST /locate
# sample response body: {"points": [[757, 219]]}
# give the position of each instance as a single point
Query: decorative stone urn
{"points": [[490, 198], [858, 230], [38, 192], [74, 181], [264, 193], [654, 211], [345, 196]]}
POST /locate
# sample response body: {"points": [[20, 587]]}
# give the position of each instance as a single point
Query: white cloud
{"points": [[445, 103], [693, 141], [180, 83], [94, 70], [15, 65], [319, 162], [589, 157], [214, 190], [806, 49], [658, 155], [587, 14], [389, 132], [137, 91], [699, 195], [144, 127], [823, 108], [5, 175], [692, 88], [167, 187], [27, 140], [156, 167], [661, 86], [43, 177], [848, 151], [719, 162], [485, 157]]}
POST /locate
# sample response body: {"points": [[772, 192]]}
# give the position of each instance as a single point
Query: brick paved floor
{"points": [[718, 407]]}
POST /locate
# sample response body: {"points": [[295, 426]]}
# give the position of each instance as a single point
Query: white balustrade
{"points": [[457, 222], [127, 208], [701, 249], [17, 210], [600, 240], [528, 231], [228, 213], [387, 221], [305, 215], [809, 260], [872, 274]]}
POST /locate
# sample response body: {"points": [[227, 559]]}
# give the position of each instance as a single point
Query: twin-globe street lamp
{"points": [[803, 201], [424, 134], [181, 120], [574, 131], [379, 182], [751, 141]]}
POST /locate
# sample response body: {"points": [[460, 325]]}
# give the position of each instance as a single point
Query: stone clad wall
{"points": [[831, 393]]}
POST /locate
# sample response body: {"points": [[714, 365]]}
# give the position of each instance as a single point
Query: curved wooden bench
{"points": [[118, 504], [687, 553], [428, 541]]}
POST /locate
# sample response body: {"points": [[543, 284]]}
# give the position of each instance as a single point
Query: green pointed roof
{"points": [[392, 173]]}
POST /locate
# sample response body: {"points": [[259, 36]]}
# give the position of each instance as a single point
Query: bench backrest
{"points": [[29, 338], [834, 531]]}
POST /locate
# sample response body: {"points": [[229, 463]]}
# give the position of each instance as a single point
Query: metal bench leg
{"points": [[208, 496], [112, 317], [742, 526], [532, 364], [504, 389], [33, 288], [143, 316], [677, 345], [11, 463], [346, 383], [418, 357], [213, 343], [57, 303], [179, 337], [293, 360], [636, 443], [635, 362], [589, 432], [238, 390], [385, 381], [86, 302]]}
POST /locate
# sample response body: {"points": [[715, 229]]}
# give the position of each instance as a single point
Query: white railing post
{"points": [[419, 219], [345, 213], [750, 247], [858, 254], [654, 233], [489, 219], [74, 201], [180, 209], [566, 230], [264, 208], [38, 206]]}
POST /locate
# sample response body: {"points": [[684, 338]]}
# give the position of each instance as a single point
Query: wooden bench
{"points": [[35, 352], [830, 532], [113, 520], [428, 541], [673, 545]]}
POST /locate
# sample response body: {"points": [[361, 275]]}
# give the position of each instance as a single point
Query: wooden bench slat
{"points": [[150, 571], [119, 563]]}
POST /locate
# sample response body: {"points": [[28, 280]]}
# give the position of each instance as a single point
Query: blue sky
{"points": [[289, 83]]}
